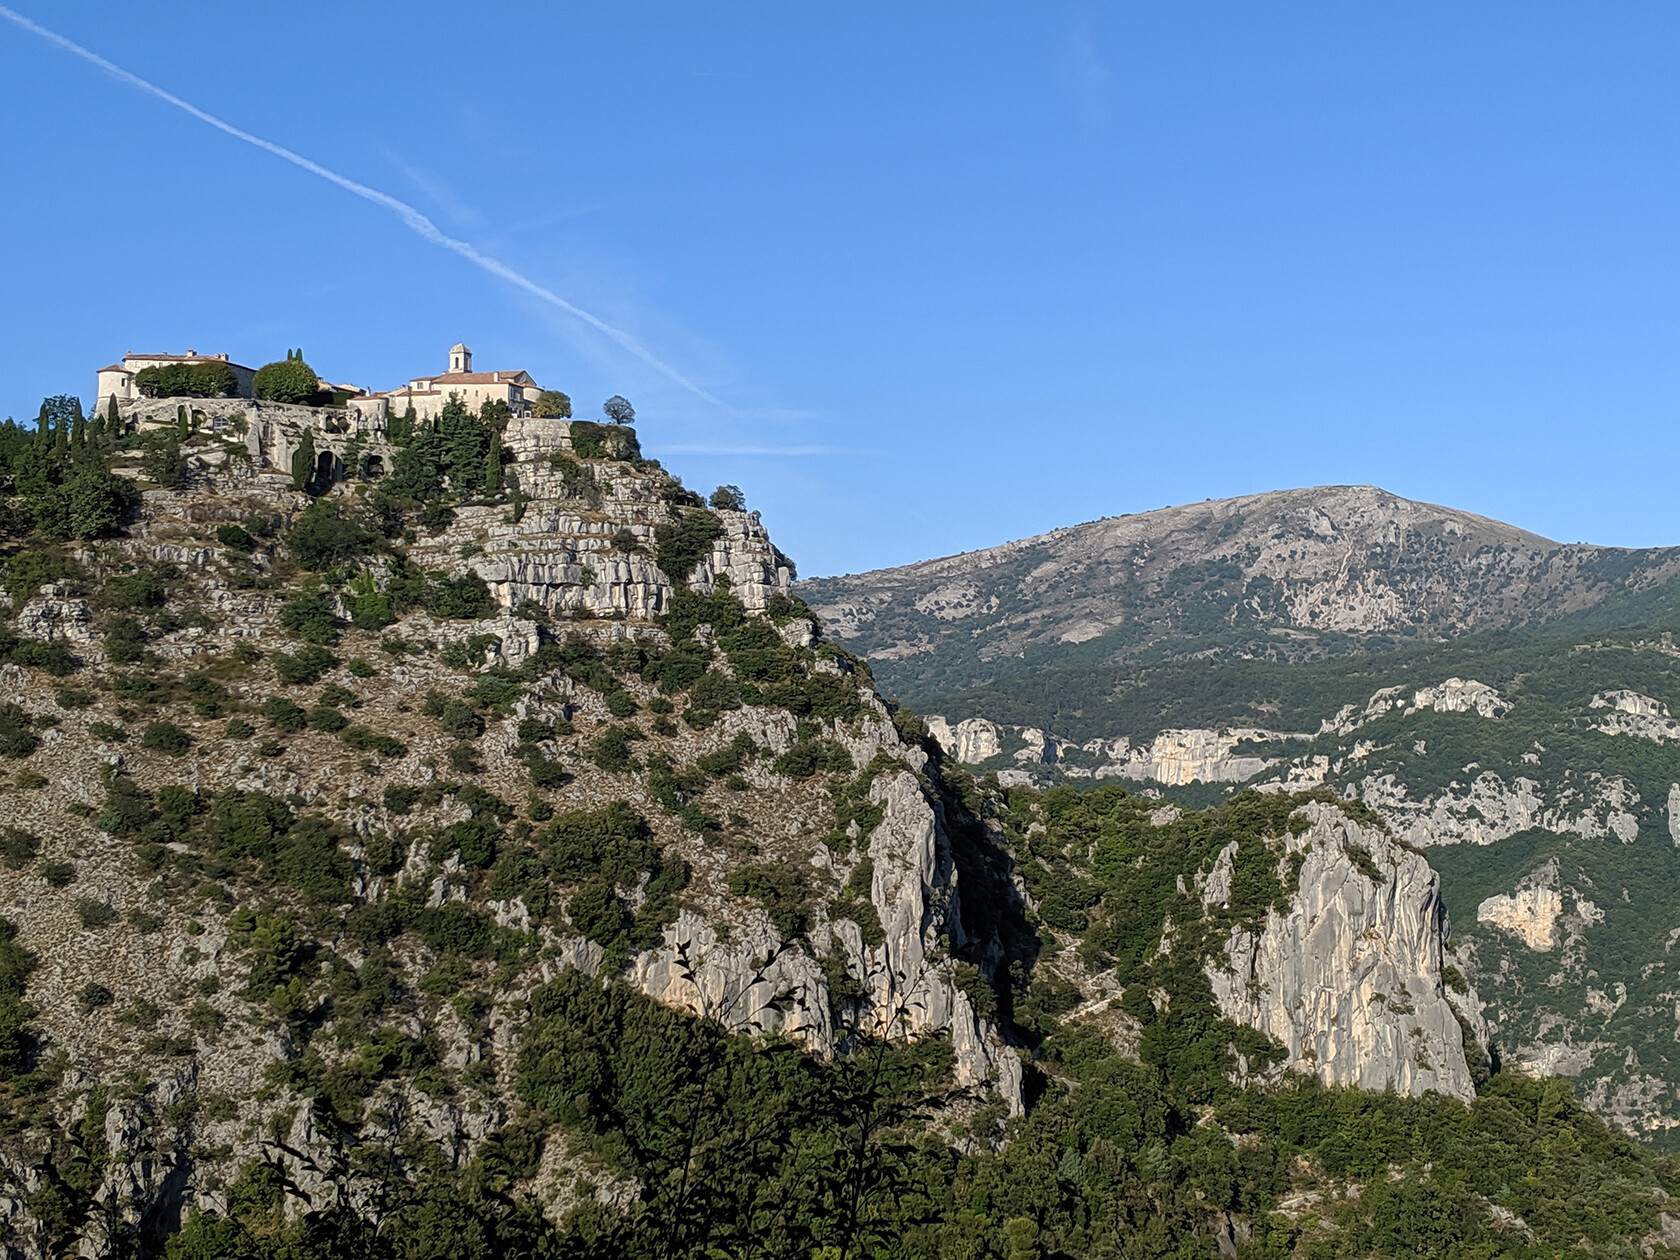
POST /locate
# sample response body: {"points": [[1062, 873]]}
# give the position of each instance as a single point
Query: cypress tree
{"points": [[303, 461]]}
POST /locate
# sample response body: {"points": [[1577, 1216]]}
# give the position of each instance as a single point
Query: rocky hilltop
{"points": [[464, 837], [1292, 574]]}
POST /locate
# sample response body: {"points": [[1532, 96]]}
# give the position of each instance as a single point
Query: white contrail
{"points": [[407, 213]]}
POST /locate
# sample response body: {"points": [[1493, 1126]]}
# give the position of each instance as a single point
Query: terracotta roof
{"points": [[115, 367], [482, 378]]}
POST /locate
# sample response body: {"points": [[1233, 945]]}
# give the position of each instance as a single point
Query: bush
{"points": [[465, 598], [309, 617], [328, 534], [682, 544], [463, 759], [400, 799], [620, 704], [364, 740], [324, 717], [58, 874], [305, 667], [17, 735], [235, 538], [125, 640], [93, 996], [71, 698], [288, 380], [284, 714], [94, 913], [460, 721], [166, 737], [187, 380], [160, 458], [612, 750], [551, 404], [358, 667], [17, 848]]}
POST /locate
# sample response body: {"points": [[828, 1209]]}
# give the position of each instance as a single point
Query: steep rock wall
{"points": [[1349, 980]]}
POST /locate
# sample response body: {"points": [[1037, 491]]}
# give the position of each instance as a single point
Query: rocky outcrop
{"points": [[970, 741], [1633, 714], [1349, 980], [756, 981], [1489, 809]]}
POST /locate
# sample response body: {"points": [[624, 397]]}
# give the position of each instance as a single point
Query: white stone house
{"points": [[118, 378], [427, 394]]}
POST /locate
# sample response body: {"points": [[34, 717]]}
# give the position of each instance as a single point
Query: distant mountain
{"points": [[1286, 576]]}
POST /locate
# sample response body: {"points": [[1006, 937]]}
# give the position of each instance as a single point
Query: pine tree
{"points": [[303, 461]]}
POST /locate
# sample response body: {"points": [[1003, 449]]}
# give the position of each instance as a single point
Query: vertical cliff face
{"points": [[1350, 979], [753, 980]]}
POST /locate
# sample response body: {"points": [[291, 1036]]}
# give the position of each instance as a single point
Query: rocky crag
{"points": [[347, 768]]}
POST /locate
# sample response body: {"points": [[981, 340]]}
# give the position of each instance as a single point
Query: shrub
{"points": [[94, 913], [463, 759], [305, 667], [323, 717], [459, 720], [17, 736], [239, 728], [160, 458], [284, 714], [612, 750], [93, 996], [682, 544], [187, 380], [125, 640], [620, 704], [359, 737], [551, 404], [58, 874], [107, 732], [166, 737], [288, 380], [400, 798], [328, 534], [71, 698], [358, 667], [235, 538], [309, 617], [465, 598], [17, 848]]}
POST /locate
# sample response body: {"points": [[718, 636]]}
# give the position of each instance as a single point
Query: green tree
{"points": [[551, 404], [729, 499], [618, 410], [303, 461], [288, 380], [161, 458]]}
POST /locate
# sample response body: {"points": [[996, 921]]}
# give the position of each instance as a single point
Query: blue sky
{"points": [[952, 273]]}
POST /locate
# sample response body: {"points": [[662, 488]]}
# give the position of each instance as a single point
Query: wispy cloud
{"points": [[411, 217], [437, 188], [1087, 76]]}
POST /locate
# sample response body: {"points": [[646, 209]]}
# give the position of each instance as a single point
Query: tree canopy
{"points": [[288, 380]]}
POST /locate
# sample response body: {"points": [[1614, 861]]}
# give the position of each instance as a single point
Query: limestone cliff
{"points": [[1350, 980]]}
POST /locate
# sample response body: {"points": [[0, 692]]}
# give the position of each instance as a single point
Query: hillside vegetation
{"points": [[483, 854]]}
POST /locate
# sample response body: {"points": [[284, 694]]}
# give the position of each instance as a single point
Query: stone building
{"points": [[427, 394], [118, 378]]}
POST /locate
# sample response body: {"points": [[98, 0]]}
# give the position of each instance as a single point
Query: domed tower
{"points": [[460, 358]]}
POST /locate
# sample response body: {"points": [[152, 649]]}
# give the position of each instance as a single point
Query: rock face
{"points": [[756, 982], [1350, 980], [1270, 573]]}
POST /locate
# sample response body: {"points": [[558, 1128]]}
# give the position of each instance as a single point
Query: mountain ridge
{"points": [[1288, 574]]}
